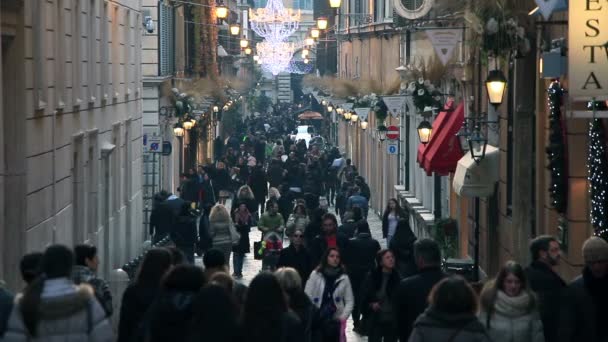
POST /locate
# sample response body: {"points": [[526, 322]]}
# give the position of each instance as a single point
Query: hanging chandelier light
{"points": [[275, 57], [274, 22]]}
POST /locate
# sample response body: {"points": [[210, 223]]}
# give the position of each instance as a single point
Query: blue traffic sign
{"points": [[392, 148]]}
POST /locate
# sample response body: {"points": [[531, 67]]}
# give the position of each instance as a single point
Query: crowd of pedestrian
{"points": [[329, 270]]}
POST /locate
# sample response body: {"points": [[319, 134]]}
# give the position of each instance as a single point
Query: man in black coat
{"points": [[410, 299], [161, 217], [297, 256], [329, 237], [546, 283], [586, 298], [359, 259]]}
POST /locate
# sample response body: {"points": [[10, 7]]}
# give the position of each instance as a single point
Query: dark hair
{"points": [[153, 267], [187, 278], [428, 250], [84, 252], [323, 262], [297, 206], [380, 255], [30, 266], [222, 279], [264, 309], [177, 256], [453, 295], [400, 212], [330, 216], [363, 227], [357, 213], [214, 258], [57, 262], [214, 316], [540, 243], [490, 290]]}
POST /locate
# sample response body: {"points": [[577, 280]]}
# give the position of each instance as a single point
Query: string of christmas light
{"points": [[597, 166], [556, 151]]}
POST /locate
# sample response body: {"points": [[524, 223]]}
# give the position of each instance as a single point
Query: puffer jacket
{"points": [[220, 233], [67, 313], [343, 293], [434, 326], [83, 274], [513, 320], [296, 222]]}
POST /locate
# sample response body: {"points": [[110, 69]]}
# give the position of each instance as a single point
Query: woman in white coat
{"points": [[509, 309], [329, 289]]}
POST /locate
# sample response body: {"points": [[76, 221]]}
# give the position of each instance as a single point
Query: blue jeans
{"points": [[237, 262]]}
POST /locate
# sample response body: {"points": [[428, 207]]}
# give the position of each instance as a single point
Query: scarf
{"points": [[243, 217], [512, 306]]}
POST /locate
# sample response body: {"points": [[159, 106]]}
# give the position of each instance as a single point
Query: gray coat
{"points": [[433, 326], [72, 317]]}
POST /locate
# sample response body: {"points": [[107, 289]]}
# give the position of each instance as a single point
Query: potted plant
{"points": [[445, 232]]}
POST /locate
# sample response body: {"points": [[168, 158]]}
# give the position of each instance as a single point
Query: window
{"points": [[166, 40], [510, 114], [92, 51], [105, 49], [379, 10], [92, 167], [76, 57], [126, 46], [78, 190], [39, 57], [115, 161]]}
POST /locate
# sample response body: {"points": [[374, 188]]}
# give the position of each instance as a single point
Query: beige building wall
{"points": [[73, 168]]}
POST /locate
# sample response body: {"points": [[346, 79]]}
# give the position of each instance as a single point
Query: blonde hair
{"points": [[219, 213], [274, 192], [289, 278], [249, 196]]}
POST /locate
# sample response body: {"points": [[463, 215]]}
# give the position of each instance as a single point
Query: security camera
{"points": [[149, 24]]}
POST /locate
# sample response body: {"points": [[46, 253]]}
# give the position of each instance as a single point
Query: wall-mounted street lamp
{"points": [[330, 108], [354, 118], [305, 53], [306, 60], [347, 116], [314, 33], [496, 83], [425, 130], [340, 111], [364, 125], [178, 131], [309, 41], [235, 29], [244, 42], [221, 11], [335, 3], [256, 58], [248, 51], [323, 102], [322, 23], [187, 124], [216, 109], [381, 131]]}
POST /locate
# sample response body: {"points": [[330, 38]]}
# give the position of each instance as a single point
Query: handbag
{"points": [[258, 251], [234, 235]]}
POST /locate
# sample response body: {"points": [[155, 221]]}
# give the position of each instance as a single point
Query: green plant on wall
{"points": [[445, 232]]}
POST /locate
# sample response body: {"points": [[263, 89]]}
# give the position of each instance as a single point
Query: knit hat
{"points": [[595, 249]]}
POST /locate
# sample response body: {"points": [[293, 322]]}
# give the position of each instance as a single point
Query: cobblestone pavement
{"points": [[252, 267]]}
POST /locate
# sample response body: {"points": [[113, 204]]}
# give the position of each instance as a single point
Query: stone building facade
{"points": [[71, 127]]}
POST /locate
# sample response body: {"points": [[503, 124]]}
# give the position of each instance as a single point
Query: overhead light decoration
{"points": [[322, 23], [274, 22], [235, 29], [275, 57], [216, 109], [221, 11]]}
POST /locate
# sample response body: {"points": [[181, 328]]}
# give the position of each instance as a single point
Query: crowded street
{"points": [[303, 170]]}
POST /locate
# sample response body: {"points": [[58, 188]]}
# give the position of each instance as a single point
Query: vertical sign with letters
{"points": [[588, 49]]}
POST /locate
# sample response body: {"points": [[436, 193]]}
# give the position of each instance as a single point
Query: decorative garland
{"points": [[556, 151], [426, 96], [597, 166], [380, 110]]}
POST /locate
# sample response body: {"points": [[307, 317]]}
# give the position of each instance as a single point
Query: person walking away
{"points": [[161, 217], [509, 310], [53, 308], [410, 300], [357, 200], [360, 257], [351, 221], [298, 302], [183, 233], [390, 219], [451, 315], [330, 290], [402, 245], [275, 173], [223, 183], [376, 304], [168, 316], [87, 264], [214, 316], [266, 316], [584, 311], [219, 230], [296, 256], [259, 185], [328, 238], [242, 222], [215, 263], [297, 220], [546, 283], [141, 293]]}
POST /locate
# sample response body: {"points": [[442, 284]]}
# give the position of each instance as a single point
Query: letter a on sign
{"points": [[444, 42]]}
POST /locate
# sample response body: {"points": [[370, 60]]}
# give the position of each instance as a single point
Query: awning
{"points": [[477, 180], [443, 151], [437, 125]]}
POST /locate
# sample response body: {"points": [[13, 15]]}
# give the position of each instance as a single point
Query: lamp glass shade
{"points": [[235, 29], [381, 133], [496, 83], [364, 125], [324, 102], [314, 33], [347, 115], [244, 43], [477, 146], [178, 131], [425, 131], [221, 11], [225, 108], [193, 120], [354, 117], [305, 53], [309, 41], [187, 125], [216, 109], [330, 108], [248, 51], [306, 60], [335, 3], [322, 23], [340, 111]]}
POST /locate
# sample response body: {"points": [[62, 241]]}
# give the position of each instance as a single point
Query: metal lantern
{"points": [[477, 146], [340, 111], [235, 29], [221, 11], [244, 43], [248, 51], [324, 102], [187, 124], [496, 83], [335, 3], [309, 41], [354, 117], [381, 131], [216, 109], [306, 60], [425, 130], [330, 108], [347, 116], [364, 125], [314, 33], [322, 23], [178, 131]]}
